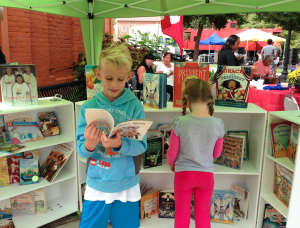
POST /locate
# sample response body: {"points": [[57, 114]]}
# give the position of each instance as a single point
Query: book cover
{"points": [[294, 138], [6, 223], [21, 132], [283, 184], [153, 90], [241, 201], [232, 86], [272, 218], [184, 71], [22, 204], [5, 209], [14, 168], [40, 201], [16, 117], [10, 148], [166, 205], [93, 83], [232, 152], [166, 131], [4, 174], [31, 154], [49, 125], [221, 207], [154, 153], [2, 130], [19, 85], [29, 171], [148, 204], [280, 133], [246, 149], [55, 161]]}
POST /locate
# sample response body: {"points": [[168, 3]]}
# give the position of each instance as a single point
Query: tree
{"points": [[201, 21]]}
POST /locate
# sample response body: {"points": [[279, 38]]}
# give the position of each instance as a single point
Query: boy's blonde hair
{"points": [[117, 56]]}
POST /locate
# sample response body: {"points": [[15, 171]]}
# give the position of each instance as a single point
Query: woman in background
{"points": [[144, 67]]}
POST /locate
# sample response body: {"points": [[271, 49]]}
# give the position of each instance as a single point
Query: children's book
{"points": [[5, 209], [22, 204], [242, 133], [21, 132], [154, 153], [166, 131], [283, 184], [133, 129], [40, 201], [16, 117], [294, 138], [272, 218], [14, 168], [185, 71], [280, 133], [10, 148], [221, 207], [55, 161], [4, 174], [2, 130], [148, 204], [232, 87], [241, 201], [166, 205], [93, 83], [31, 154], [6, 223], [232, 152], [29, 171], [49, 125], [18, 85]]}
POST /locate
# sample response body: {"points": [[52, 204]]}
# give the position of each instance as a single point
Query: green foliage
{"points": [[211, 77], [295, 38], [29, 172], [79, 67], [250, 20]]}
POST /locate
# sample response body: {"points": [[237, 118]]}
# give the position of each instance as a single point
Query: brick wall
{"points": [[51, 42]]}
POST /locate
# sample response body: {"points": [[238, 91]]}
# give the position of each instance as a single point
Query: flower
{"points": [[294, 77]]}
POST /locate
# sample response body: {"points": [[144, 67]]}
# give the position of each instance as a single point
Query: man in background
{"points": [[264, 71], [269, 50], [2, 56]]}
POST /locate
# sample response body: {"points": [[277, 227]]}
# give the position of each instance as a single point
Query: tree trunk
{"points": [[197, 41]]}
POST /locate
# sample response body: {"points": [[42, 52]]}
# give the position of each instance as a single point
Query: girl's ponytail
{"points": [[184, 104], [210, 108]]}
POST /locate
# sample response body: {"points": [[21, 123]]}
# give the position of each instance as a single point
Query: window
{"points": [[187, 35], [232, 25], [195, 38], [174, 43]]}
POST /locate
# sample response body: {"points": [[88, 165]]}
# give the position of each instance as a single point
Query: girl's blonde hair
{"points": [[117, 56], [278, 45], [197, 90]]}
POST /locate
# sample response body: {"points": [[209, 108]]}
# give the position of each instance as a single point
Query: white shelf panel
{"points": [[292, 116], [48, 141], [276, 203], [38, 220], [43, 103], [16, 189], [247, 169], [283, 161]]}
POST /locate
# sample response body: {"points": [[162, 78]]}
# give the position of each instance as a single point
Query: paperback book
{"points": [[166, 205], [22, 204], [280, 133], [10, 148], [241, 201], [154, 153], [5, 209], [4, 174], [272, 218], [185, 71], [294, 138], [222, 209], [6, 223], [93, 83], [40, 201], [49, 125], [31, 154], [21, 132], [29, 171], [133, 129], [246, 148], [166, 131], [148, 203], [55, 162], [14, 168]]}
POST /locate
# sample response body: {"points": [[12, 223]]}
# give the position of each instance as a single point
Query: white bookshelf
{"points": [[63, 190], [252, 119], [267, 184]]}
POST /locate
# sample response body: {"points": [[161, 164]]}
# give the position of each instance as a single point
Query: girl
{"points": [[7, 83], [21, 92], [30, 80], [196, 139], [19, 71]]}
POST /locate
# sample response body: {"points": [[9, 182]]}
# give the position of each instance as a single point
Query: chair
{"points": [[290, 103]]}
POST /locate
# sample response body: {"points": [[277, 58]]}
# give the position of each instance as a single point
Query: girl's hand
{"points": [[172, 168], [115, 142], [92, 136]]}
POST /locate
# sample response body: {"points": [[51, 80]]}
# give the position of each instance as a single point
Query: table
{"points": [[270, 100]]}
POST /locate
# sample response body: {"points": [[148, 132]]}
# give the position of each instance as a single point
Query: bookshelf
{"points": [[267, 183], [63, 190], [252, 119]]}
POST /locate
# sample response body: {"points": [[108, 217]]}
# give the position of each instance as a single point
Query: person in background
{"points": [[269, 50], [264, 71], [2, 56], [166, 68], [144, 67], [276, 61]]}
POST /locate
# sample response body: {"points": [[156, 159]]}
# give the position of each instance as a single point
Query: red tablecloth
{"points": [[270, 100]]}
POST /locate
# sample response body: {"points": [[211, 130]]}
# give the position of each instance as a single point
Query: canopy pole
{"points": [[246, 51], [284, 51], [91, 17]]}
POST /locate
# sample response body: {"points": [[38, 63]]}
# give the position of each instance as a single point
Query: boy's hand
{"points": [[92, 136], [115, 142], [172, 168]]}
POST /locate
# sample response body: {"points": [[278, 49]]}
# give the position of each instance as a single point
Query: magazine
{"points": [[5, 209], [280, 133], [29, 171], [272, 218], [154, 153], [166, 131], [246, 148], [21, 132], [294, 138], [134, 129], [166, 205], [49, 125], [40, 201], [4, 174], [10, 148], [22, 204], [241, 201], [55, 161], [14, 168], [93, 83]]}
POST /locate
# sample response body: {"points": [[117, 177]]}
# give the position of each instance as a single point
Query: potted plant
{"points": [[294, 78]]}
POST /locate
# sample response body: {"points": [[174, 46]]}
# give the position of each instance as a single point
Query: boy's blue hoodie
{"points": [[116, 170]]}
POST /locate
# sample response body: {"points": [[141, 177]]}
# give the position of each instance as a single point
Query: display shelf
{"points": [[276, 203], [81, 159], [283, 161]]}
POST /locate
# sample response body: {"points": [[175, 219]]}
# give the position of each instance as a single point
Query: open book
{"points": [[134, 129]]}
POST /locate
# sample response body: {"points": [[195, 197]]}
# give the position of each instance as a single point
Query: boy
{"points": [[112, 191]]}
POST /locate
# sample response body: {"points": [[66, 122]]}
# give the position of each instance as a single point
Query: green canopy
{"points": [[93, 12]]}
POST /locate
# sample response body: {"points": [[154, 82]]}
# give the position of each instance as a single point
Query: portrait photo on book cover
{"points": [[18, 85]]}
